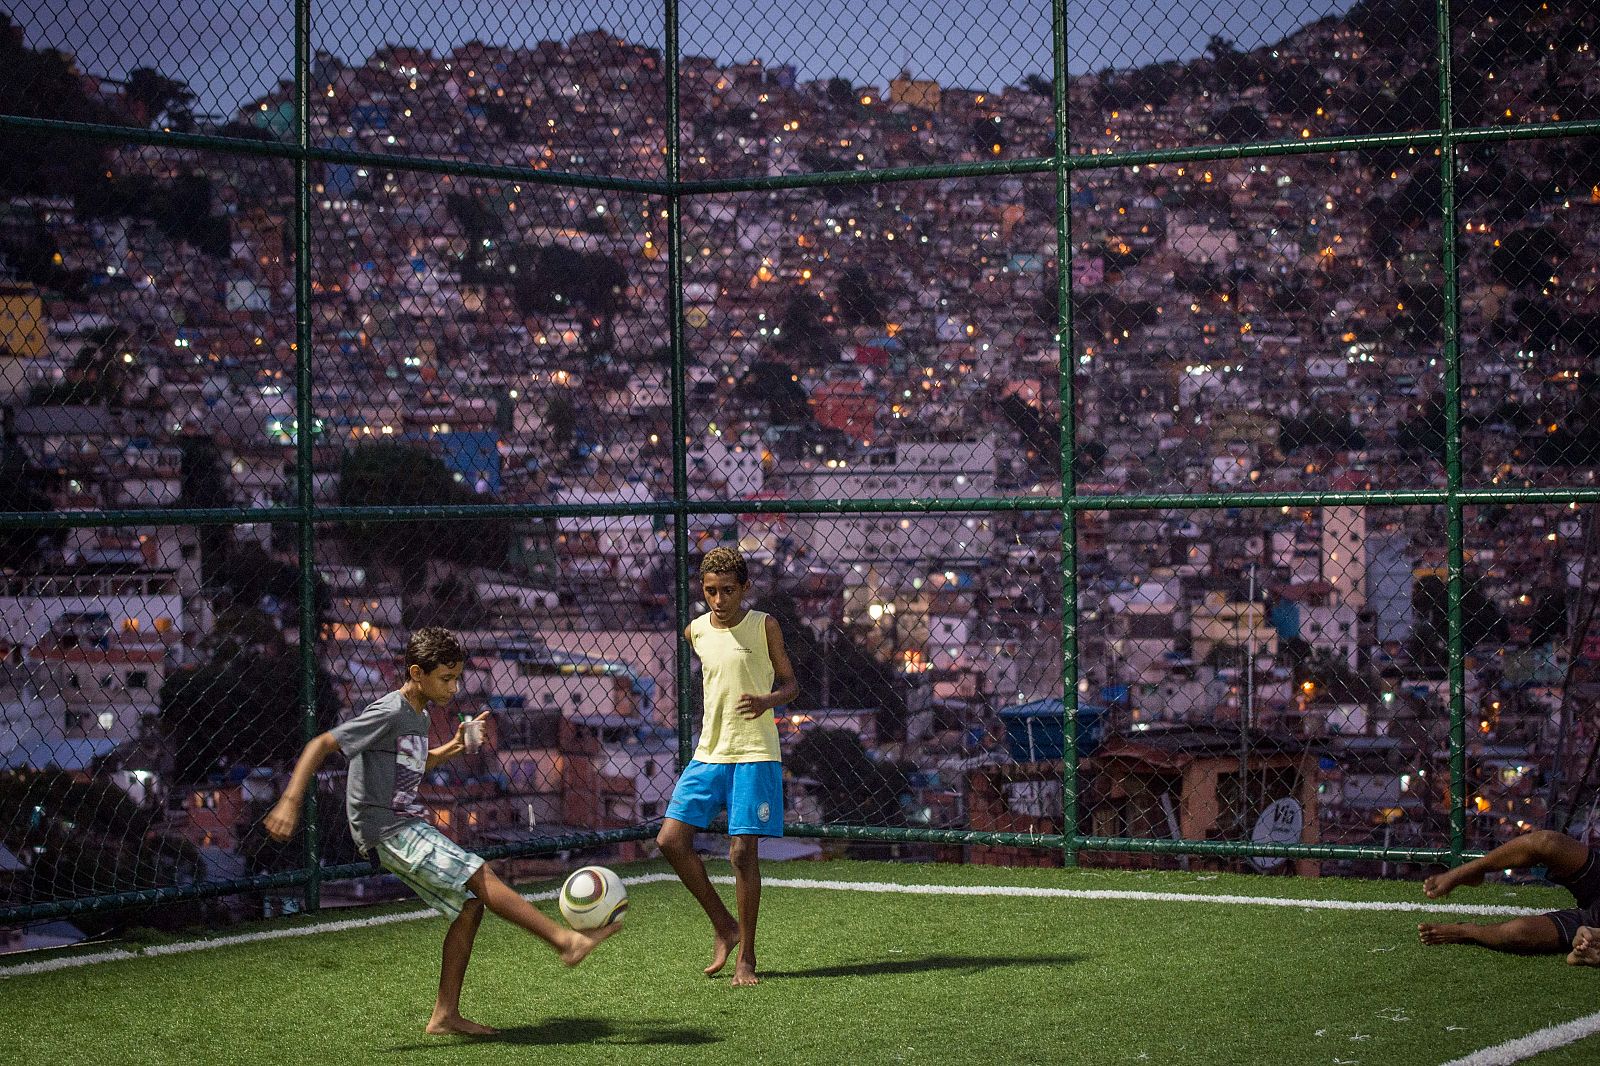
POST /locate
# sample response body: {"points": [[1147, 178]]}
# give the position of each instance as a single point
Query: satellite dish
{"points": [[1280, 823]]}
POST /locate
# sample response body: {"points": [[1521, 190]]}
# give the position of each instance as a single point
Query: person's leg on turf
{"points": [[676, 841], [742, 853], [1557, 852], [447, 1017], [1561, 856]]}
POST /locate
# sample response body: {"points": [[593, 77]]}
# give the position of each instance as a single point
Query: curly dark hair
{"points": [[432, 647], [725, 561]]}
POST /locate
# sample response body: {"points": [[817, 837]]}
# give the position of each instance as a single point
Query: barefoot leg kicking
{"points": [[489, 892], [1568, 862], [573, 946]]}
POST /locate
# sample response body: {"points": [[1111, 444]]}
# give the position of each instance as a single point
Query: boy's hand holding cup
{"points": [[471, 733]]}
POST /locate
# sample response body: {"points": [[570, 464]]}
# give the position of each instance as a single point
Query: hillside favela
{"points": [[1269, 324]]}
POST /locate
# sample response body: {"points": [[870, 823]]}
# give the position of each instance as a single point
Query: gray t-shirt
{"points": [[387, 745]]}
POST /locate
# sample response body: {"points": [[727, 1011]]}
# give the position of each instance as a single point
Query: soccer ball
{"points": [[592, 897]]}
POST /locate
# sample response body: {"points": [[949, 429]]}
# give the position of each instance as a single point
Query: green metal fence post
{"points": [[680, 414], [1068, 442], [304, 426], [1452, 445]]}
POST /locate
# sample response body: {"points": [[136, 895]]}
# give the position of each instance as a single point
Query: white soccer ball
{"points": [[592, 897]]}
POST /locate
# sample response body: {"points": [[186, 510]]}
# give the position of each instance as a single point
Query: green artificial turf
{"points": [[849, 977]]}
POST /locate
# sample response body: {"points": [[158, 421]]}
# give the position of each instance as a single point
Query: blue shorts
{"points": [[751, 793]]}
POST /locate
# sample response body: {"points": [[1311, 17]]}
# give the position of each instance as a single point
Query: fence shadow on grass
{"points": [[558, 1031], [926, 964]]}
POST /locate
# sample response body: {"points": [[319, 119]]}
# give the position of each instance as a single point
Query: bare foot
{"points": [[581, 943], [1585, 947], [1434, 935], [744, 974], [458, 1026], [727, 941], [1440, 885]]}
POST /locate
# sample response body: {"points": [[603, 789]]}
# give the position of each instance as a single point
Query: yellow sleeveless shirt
{"points": [[734, 662]]}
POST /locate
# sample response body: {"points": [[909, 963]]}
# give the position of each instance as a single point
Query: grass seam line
{"points": [[23, 969], [1535, 1043], [1133, 895], [1129, 895], [186, 946]]}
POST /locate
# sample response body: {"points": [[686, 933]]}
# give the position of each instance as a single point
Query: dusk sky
{"points": [[232, 50]]}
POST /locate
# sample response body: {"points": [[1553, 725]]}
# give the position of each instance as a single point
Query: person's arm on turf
{"points": [[285, 814]]}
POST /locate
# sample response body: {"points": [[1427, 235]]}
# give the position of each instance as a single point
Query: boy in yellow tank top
{"points": [[737, 766]]}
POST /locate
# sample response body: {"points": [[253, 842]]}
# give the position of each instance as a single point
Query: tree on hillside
{"points": [[1296, 90], [988, 135], [154, 97], [855, 789], [398, 474], [242, 711], [481, 233], [561, 420], [773, 384], [44, 85], [1240, 124], [1039, 85], [1319, 430], [1041, 437], [24, 487], [87, 838], [241, 631], [203, 481], [557, 280], [1394, 25], [1422, 434], [1480, 619], [841, 94], [1231, 69], [185, 209], [252, 575], [803, 332], [858, 300], [1526, 258]]}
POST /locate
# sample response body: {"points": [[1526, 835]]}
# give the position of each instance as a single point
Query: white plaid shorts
{"points": [[436, 867]]}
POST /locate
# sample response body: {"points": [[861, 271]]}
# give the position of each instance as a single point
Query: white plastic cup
{"points": [[472, 734]]}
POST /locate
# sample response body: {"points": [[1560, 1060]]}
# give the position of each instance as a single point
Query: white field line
{"points": [[1535, 1043], [1146, 897], [183, 947], [46, 965]]}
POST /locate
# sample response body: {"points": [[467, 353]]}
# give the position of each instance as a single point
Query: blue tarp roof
{"points": [[1047, 708], [472, 454], [64, 754]]}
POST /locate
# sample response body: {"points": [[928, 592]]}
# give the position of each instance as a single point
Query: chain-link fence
{"points": [[1162, 436]]}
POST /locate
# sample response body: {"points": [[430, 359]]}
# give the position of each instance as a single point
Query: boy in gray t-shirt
{"points": [[387, 745]]}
